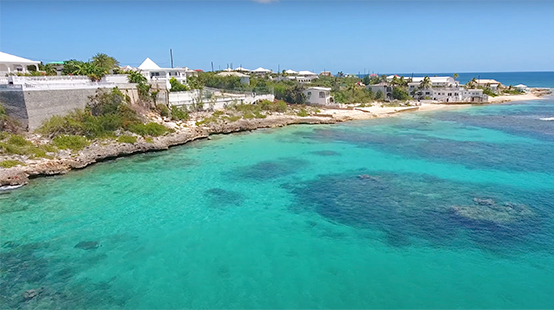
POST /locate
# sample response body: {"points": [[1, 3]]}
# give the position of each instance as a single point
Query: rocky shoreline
{"points": [[100, 151]]}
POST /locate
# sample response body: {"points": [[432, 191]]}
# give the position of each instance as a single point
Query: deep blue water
{"points": [[446, 209]]}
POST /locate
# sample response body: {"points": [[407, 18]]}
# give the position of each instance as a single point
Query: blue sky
{"points": [[350, 36]]}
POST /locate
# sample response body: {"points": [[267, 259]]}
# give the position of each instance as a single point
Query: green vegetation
{"points": [[70, 142], [400, 93], [18, 145], [127, 139], [179, 114], [136, 77], [302, 113], [10, 163], [98, 67], [177, 86], [489, 92], [148, 129], [162, 109], [107, 112]]}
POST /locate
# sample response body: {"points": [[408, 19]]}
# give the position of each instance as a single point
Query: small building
{"points": [[241, 69], [15, 64], [492, 84], [318, 96], [383, 87], [261, 71], [474, 95], [325, 73], [244, 78], [522, 88], [154, 73]]}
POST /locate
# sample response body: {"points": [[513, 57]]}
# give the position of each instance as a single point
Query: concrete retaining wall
{"points": [[43, 104]]}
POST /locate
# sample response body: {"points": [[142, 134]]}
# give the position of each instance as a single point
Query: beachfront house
{"points": [[318, 96], [155, 73], [299, 76], [15, 64], [474, 95], [522, 88], [383, 87], [439, 89], [494, 85]]}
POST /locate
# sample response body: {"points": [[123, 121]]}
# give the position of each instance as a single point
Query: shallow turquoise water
{"points": [[355, 215]]}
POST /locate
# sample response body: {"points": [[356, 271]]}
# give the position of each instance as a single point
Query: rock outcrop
{"points": [[101, 150]]}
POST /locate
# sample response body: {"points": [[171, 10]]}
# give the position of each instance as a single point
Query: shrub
{"points": [[177, 86], [16, 144], [136, 77], [127, 139], [70, 142], [400, 93], [106, 112], [179, 114], [233, 118], [248, 115], [162, 109], [259, 115], [149, 129], [302, 113], [277, 106], [10, 163]]}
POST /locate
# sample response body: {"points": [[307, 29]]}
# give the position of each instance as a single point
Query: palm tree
{"points": [[456, 75], [425, 83], [105, 62]]}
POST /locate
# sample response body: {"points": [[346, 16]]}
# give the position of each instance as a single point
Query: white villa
{"points": [[493, 84], [153, 72], [442, 89], [318, 95], [15, 64]]}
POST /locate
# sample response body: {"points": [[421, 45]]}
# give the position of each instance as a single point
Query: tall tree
{"points": [[107, 63], [425, 83]]}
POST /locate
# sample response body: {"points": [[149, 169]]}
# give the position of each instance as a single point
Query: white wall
{"points": [[316, 96]]}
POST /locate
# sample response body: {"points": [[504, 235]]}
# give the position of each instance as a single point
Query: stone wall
{"points": [[43, 104], [14, 103], [32, 107]]}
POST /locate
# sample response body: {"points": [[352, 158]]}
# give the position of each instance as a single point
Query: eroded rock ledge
{"points": [[99, 151]]}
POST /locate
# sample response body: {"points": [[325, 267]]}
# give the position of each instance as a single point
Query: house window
{"points": [[427, 93], [321, 94], [449, 94], [309, 94]]}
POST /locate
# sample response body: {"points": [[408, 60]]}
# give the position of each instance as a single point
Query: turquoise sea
{"points": [[446, 209]]}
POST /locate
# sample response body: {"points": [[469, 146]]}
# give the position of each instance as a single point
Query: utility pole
{"points": [[171, 54]]}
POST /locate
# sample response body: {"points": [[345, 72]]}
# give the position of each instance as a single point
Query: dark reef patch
{"points": [[410, 208], [87, 245], [475, 154], [221, 197], [32, 276], [267, 170], [327, 153]]}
